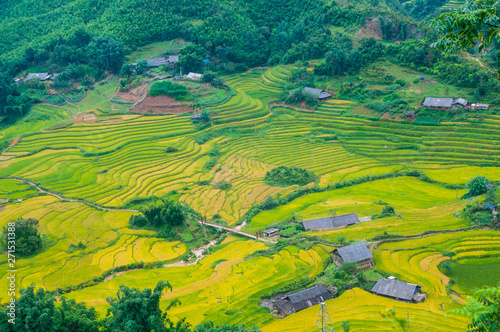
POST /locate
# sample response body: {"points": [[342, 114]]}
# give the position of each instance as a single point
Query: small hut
{"points": [[399, 290], [302, 300], [357, 253]]}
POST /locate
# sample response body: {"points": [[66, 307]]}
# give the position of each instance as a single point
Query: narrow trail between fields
{"points": [[372, 245], [68, 199], [198, 253], [468, 56], [14, 142], [237, 231]]}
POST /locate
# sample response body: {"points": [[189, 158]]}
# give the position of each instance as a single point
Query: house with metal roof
{"points": [[40, 76], [270, 232], [173, 58], [302, 300], [357, 253], [460, 102], [196, 116], [327, 223], [480, 106], [318, 93], [157, 62], [399, 290], [444, 103]]}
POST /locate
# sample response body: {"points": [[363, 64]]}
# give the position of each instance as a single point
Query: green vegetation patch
{"points": [[167, 88], [286, 176], [476, 273]]}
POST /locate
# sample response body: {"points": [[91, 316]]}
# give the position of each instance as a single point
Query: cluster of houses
{"points": [[163, 61], [40, 76], [357, 253], [450, 103]]}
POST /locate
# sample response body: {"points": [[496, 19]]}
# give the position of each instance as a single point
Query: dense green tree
{"points": [[111, 54], [477, 186], [134, 310], [476, 23], [169, 214], [126, 71], [28, 239], [36, 311], [191, 58], [142, 67]]}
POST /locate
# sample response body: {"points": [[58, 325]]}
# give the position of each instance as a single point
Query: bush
{"points": [[171, 149], [378, 106], [287, 176], [401, 82], [477, 186], [28, 239], [223, 185], [168, 88], [169, 214]]}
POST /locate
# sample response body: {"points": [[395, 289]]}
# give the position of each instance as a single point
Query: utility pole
{"points": [[408, 318], [324, 322]]}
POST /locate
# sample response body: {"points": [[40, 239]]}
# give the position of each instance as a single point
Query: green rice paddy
{"points": [[122, 157]]}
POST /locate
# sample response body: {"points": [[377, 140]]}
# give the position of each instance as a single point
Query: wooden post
{"points": [[408, 317]]}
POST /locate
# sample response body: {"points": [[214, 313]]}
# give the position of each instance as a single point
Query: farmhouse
{"points": [[302, 300], [327, 223], [318, 93], [399, 290], [196, 116], [480, 106], [357, 253], [40, 76], [194, 76], [444, 103], [173, 58], [270, 232], [157, 62]]}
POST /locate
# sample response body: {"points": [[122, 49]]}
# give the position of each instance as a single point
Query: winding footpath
{"points": [[68, 199], [236, 231]]}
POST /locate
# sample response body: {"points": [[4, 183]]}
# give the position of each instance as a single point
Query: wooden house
{"points": [[302, 300], [399, 290], [271, 232], [327, 223], [357, 253]]}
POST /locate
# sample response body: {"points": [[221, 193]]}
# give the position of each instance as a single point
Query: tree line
{"points": [[132, 310]]}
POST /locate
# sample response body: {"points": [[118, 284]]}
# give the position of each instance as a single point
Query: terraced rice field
{"points": [[363, 309], [221, 282], [109, 243], [417, 260], [422, 207], [123, 156]]}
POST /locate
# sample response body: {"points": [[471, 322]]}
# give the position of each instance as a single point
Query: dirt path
{"points": [[468, 56], [14, 142], [198, 253], [236, 231], [374, 245], [67, 199]]}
